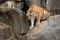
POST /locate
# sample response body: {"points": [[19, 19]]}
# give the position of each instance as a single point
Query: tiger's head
{"points": [[31, 15]]}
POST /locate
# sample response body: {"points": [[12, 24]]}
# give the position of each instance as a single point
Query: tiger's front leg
{"points": [[32, 24], [38, 20]]}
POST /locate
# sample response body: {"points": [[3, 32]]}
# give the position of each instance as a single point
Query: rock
{"points": [[4, 31], [30, 2], [48, 30], [53, 4], [18, 21], [20, 5], [11, 38], [5, 27], [21, 37], [19, 24]]}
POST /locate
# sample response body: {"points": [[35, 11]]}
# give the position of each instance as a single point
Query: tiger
{"points": [[36, 12]]}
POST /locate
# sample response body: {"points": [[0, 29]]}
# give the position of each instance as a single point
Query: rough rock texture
{"points": [[20, 5], [53, 4], [17, 20], [12, 19], [48, 30], [4, 31], [30, 2], [4, 27]]}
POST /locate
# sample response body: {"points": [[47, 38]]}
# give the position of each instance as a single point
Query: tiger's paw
{"points": [[38, 23], [30, 27]]}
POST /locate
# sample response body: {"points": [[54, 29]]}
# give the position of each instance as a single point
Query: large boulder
{"points": [[48, 30], [18, 21]]}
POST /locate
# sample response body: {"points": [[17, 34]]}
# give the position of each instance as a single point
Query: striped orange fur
{"points": [[36, 12]]}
